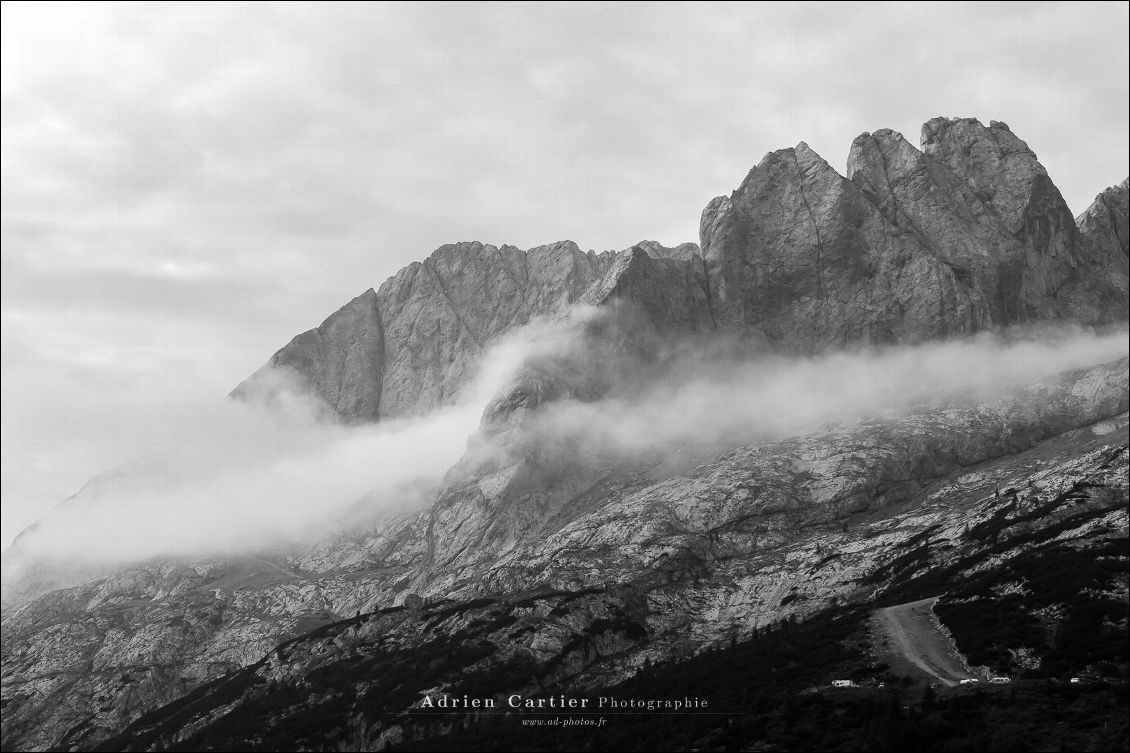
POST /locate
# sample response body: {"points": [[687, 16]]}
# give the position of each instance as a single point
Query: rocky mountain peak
{"points": [[1105, 221], [1001, 168], [964, 234], [880, 149], [805, 156], [413, 344], [683, 251], [341, 361]]}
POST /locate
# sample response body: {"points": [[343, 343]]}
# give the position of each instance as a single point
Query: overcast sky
{"points": [[186, 187]]}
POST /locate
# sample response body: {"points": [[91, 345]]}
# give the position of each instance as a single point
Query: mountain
{"points": [[554, 559], [966, 234], [1104, 222], [411, 346]]}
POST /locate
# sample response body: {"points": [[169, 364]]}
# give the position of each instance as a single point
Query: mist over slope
{"points": [[706, 402], [262, 478], [634, 562], [227, 476]]}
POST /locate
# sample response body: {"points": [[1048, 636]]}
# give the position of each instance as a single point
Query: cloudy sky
{"points": [[185, 187]]}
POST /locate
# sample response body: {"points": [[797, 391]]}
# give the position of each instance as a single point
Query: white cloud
{"points": [[201, 475]]}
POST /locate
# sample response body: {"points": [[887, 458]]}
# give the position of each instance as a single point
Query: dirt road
{"points": [[910, 631]]}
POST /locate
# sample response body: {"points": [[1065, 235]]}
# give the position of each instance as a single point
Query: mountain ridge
{"points": [[965, 234], [597, 562]]}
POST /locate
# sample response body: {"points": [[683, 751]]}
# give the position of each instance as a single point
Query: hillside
{"points": [[621, 523]]}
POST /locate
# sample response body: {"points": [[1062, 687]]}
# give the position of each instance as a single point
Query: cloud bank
{"points": [[706, 403], [228, 477]]}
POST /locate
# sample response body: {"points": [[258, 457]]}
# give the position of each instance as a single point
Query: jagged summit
{"points": [[966, 233], [1105, 221], [411, 345]]}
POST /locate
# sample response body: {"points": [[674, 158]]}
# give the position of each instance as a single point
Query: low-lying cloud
{"points": [[256, 481], [225, 476], [704, 403], [233, 477]]}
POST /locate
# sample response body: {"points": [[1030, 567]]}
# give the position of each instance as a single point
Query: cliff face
{"points": [[1105, 221], [413, 344], [966, 234]]}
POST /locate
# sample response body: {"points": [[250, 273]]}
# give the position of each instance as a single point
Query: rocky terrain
{"points": [[546, 564], [413, 344], [355, 682], [966, 234], [1104, 222]]}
